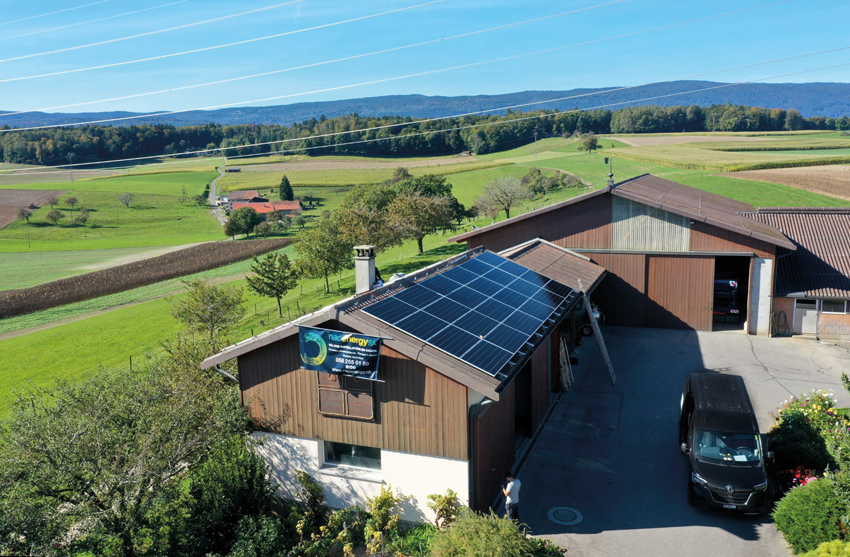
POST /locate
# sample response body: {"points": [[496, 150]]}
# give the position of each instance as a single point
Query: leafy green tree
{"points": [[263, 229], [126, 199], [793, 120], [324, 250], [428, 184], [503, 192], [364, 226], [54, 216], [459, 212], [201, 200], [242, 221], [274, 276], [400, 174], [416, 215], [82, 217], [53, 202], [300, 221], [208, 309], [285, 191], [24, 214], [590, 143], [370, 197], [71, 201]]}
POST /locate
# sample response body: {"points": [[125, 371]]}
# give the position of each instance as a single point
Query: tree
{"points": [[372, 197], [274, 217], [274, 277], [503, 192], [263, 229], [299, 220], [485, 205], [285, 190], [201, 200], [324, 250], [285, 223], [242, 221], [82, 218], [208, 309], [459, 212], [416, 215], [366, 226], [85, 465], [126, 199], [400, 174], [53, 202], [54, 216], [793, 120], [429, 184], [590, 142], [24, 214], [71, 201]]}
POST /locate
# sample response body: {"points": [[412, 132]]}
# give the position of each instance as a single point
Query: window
{"points": [[833, 306], [807, 304], [344, 396], [343, 454]]}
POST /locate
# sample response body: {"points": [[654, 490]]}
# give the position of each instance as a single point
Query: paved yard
{"points": [[611, 452]]}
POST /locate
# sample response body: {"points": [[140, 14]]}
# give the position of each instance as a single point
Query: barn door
{"points": [[680, 292]]}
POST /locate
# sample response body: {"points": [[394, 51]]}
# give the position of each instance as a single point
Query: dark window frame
{"points": [[335, 447], [825, 301], [349, 389]]}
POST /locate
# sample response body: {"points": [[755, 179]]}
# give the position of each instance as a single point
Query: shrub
{"points": [[809, 432], [545, 548], [384, 518], [412, 541], [481, 534], [810, 515], [262, 536], [313, 517], [835, 548], [446, 508]]}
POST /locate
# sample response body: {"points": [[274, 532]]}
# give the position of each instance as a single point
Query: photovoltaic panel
{"points": [[481, 311]]}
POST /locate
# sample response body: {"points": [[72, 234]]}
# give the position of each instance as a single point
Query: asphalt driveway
{"points": [[611, 452]]}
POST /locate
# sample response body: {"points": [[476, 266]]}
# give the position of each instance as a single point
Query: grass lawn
{"points": [[156, 216], [266, 159]]}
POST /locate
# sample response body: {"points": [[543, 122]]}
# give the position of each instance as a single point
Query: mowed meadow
{"points": [[109, 330]]}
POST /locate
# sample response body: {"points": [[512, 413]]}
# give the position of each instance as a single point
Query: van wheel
{"points": [[586, 330], [691, 501]]}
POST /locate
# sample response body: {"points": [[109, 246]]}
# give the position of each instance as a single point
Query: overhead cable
{"points": [[54, 13], [313, 65], [394, 78]]}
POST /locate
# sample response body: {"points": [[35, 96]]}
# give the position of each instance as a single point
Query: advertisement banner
{"points": [[339, 352]]}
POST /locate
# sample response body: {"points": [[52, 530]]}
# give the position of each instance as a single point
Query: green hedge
{"points": [[811, 515]]}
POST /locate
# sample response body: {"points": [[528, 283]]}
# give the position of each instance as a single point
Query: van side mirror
{"points": [[770, 456], [685, 449]]}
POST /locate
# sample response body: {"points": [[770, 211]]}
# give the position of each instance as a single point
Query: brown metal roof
{"points": [[676, 198], [557, 263], [820, 266]]}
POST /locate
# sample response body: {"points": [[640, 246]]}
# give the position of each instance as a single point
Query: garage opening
{"points": [[522, 407], [731, 287]]}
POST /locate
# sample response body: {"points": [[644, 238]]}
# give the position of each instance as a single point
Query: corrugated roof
{"points": [[676, 198], [557, 263], [820, 267]]}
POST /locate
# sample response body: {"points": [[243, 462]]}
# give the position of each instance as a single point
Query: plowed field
{"points": [[12, 200], [833, 180]]}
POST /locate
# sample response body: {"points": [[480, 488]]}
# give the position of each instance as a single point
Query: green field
{"points": [[156, 217]]}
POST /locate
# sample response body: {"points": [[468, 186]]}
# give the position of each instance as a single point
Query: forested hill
{"points": [[811, 99]]}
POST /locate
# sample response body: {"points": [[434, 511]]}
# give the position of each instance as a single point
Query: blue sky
{"points": [[788, 29]]}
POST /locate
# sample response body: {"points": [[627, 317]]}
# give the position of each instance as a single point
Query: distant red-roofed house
{"points": [[244, 196], [285, 207]]}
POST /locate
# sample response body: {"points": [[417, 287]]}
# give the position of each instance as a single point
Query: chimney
{"points": [[364, 268]]}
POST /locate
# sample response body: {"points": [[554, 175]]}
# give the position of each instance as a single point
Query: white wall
{"points": [[759, 322], [410, 474]]}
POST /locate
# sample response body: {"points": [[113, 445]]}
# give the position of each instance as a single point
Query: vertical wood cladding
{"points": [[707, 237], [583, 225], [540, 365], [680, 292], [621, 294], [493, 434], [639, 227], [417, 410]]}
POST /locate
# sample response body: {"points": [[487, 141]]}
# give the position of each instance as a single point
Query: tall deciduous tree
{"points": [[371, 197], [368, 226], [285, 191], [208, 309], [126, 199], [793, 120], [71, 201], [54, 216], [324, 250], [416, 215], [242, 221], [504, 192], [590, 142], [24, 214], [429, 184], [53, 202], [400, 174], [274, 276]]}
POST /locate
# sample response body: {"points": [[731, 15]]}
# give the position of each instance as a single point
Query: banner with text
{"points": [[339, 352]]}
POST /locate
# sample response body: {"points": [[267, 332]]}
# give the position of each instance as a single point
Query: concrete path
{"points": [[611, 452], [216, 209]]}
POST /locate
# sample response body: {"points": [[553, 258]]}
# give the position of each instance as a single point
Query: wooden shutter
{"points": [[347, 397]]}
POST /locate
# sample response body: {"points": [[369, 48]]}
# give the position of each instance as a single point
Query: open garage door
{"points": [[680, 291]]}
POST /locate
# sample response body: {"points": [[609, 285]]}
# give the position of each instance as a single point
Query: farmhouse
{"points": [[665, 246], [243, 196], [264, 208], [470, 354], [812, 282]]}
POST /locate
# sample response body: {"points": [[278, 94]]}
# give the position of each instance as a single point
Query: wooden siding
{"points": [[639, 227], [680, 292], [583, 225], [620, 295], [541, 361], [493, 445], [555, 355], [706, 237], [417, 410]]}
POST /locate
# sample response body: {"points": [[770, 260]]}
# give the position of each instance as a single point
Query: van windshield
{"points": [[728, 448]]}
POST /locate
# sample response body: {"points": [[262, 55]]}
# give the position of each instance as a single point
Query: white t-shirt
{"points": [[513, 491]]}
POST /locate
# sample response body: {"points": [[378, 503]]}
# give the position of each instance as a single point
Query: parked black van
{"points": [[719, 432]]}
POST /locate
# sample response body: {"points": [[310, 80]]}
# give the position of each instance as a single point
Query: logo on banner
{"points": [[339, 352], [314, 338]]}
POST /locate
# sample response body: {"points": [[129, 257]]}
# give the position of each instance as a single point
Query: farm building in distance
{"points": [[264, 208], [664, 245], [243, 196], [471, 353]]}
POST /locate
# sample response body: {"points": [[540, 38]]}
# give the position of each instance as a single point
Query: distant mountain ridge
{"points": [[811, 99]]}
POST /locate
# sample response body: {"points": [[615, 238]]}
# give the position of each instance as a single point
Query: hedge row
{"points": [[133, 275]]}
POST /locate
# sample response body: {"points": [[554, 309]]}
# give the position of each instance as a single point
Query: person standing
{"points": [[511, 491]]}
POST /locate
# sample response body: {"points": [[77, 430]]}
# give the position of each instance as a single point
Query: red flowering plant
{"points": [[795, 478]]}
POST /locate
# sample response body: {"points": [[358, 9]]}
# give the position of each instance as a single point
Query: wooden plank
{"points": [[680, 292]]}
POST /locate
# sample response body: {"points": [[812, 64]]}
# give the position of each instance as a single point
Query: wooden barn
{"points": [[669, 249], [469, 363]]}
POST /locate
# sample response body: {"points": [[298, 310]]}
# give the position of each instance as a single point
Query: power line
{"points": [[445, 130], [90, 21], [316, 64], [149, 33], [54, 13], [395, 78]]}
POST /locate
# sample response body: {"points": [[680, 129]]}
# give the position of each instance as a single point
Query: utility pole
{"points": [[535, 143]]}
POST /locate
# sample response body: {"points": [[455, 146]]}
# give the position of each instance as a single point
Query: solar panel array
{"points": [[482, 311]]}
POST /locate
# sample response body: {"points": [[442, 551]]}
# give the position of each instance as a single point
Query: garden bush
{"points": [[487, 534], [835, 548], [810, 515], [412, 541]]}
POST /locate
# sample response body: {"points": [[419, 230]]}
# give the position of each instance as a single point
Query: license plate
{"points": [[728, 506]]}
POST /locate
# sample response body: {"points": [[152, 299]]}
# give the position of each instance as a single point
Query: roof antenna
{"points": [[610, 164]]}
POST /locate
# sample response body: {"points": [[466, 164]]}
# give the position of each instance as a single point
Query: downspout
{"points": [[471, 447], [225, 374]]}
